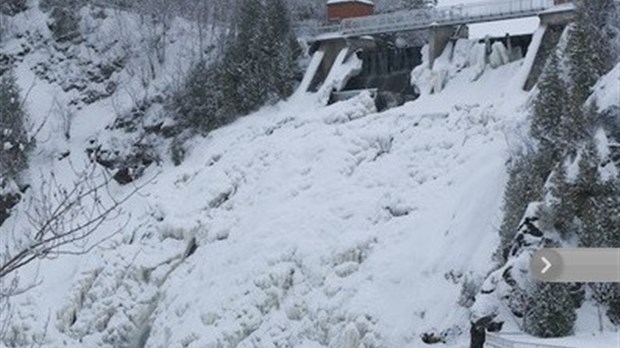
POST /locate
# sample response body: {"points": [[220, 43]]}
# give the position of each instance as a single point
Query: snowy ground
{"points": [[310, 227], [315, 227]]}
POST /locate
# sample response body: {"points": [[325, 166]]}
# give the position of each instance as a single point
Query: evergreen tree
{"points": [[590, 57], [549, 110], [13, 135], [583, 70], [525, 184], [588, 50], [604, 232], [607, 218], [201, 100], [586, 193], [587, 206], [246, 59], [609, 213], [552, 311], [283, 49], [578, 124], [263, 55], [258, 66], [598, 16], [562, 208], [612, 30]]}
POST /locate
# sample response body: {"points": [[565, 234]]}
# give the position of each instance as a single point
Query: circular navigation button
{"points": [[546, 265]]}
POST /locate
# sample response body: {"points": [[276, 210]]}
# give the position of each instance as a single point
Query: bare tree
{"points": [[61, 219]]}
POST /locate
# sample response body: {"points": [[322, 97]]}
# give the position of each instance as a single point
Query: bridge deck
{"points": [[487, 11]]}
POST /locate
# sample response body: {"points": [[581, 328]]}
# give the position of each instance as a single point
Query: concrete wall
{"points": [[440, 36], [557, 18], [330, 49]]}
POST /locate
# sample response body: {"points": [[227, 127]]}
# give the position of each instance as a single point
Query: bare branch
{"points": [[62, 220]]}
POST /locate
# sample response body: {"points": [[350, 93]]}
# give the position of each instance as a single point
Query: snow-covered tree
{"points": [[585, 195], [258, 66], [525, 184], [588, 207], [588, 50], [589, 57], [14, 143], [562, 208], [549, 109], [260, 61], [246, 59], [591, 23], [64, 23], [12, 7], [283, 48], [552, 311], [199, 104]]}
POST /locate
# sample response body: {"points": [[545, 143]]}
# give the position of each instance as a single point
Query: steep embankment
{"points": [[316, 226], [307, 224]]}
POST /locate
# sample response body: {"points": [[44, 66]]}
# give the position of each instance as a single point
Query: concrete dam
{"points": [[389, 46]]}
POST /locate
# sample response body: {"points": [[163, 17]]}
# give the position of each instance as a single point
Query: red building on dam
{"points": [[342, 9]]}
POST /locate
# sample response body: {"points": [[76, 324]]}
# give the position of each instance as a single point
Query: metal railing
{"points": [[497, 341], [449, 15]]}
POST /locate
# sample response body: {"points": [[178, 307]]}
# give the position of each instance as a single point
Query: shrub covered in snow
{"points": [[64, 24], [553, 311], [12, 7], [14, 142]]}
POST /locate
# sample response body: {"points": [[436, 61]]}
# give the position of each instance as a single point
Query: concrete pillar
{"points": [[439, 38], [331, 49]]}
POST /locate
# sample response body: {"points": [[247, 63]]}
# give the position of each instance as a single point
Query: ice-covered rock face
{"points": [[300, 226]]}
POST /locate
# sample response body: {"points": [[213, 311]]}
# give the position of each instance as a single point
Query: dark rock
{"points": [[64, 25], [64, 155], [495, 326], [13, 7], [478, 331], [91, 96], [123, 176], [432, 338], [7, 202], [99, 13], [110, 87], [530, 228], [613, 313], [129, 166], [191, 247], [477, 336], [6, 62], [508, 277]]}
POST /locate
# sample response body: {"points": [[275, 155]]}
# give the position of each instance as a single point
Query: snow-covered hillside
{"points": [[300, 225]]}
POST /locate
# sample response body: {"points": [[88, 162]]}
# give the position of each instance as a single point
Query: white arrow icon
{"points": [[547, 265]]}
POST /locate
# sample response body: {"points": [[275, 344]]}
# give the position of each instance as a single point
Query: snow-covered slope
{"points": [[297, 226], [309, 227], [323, 227]]}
